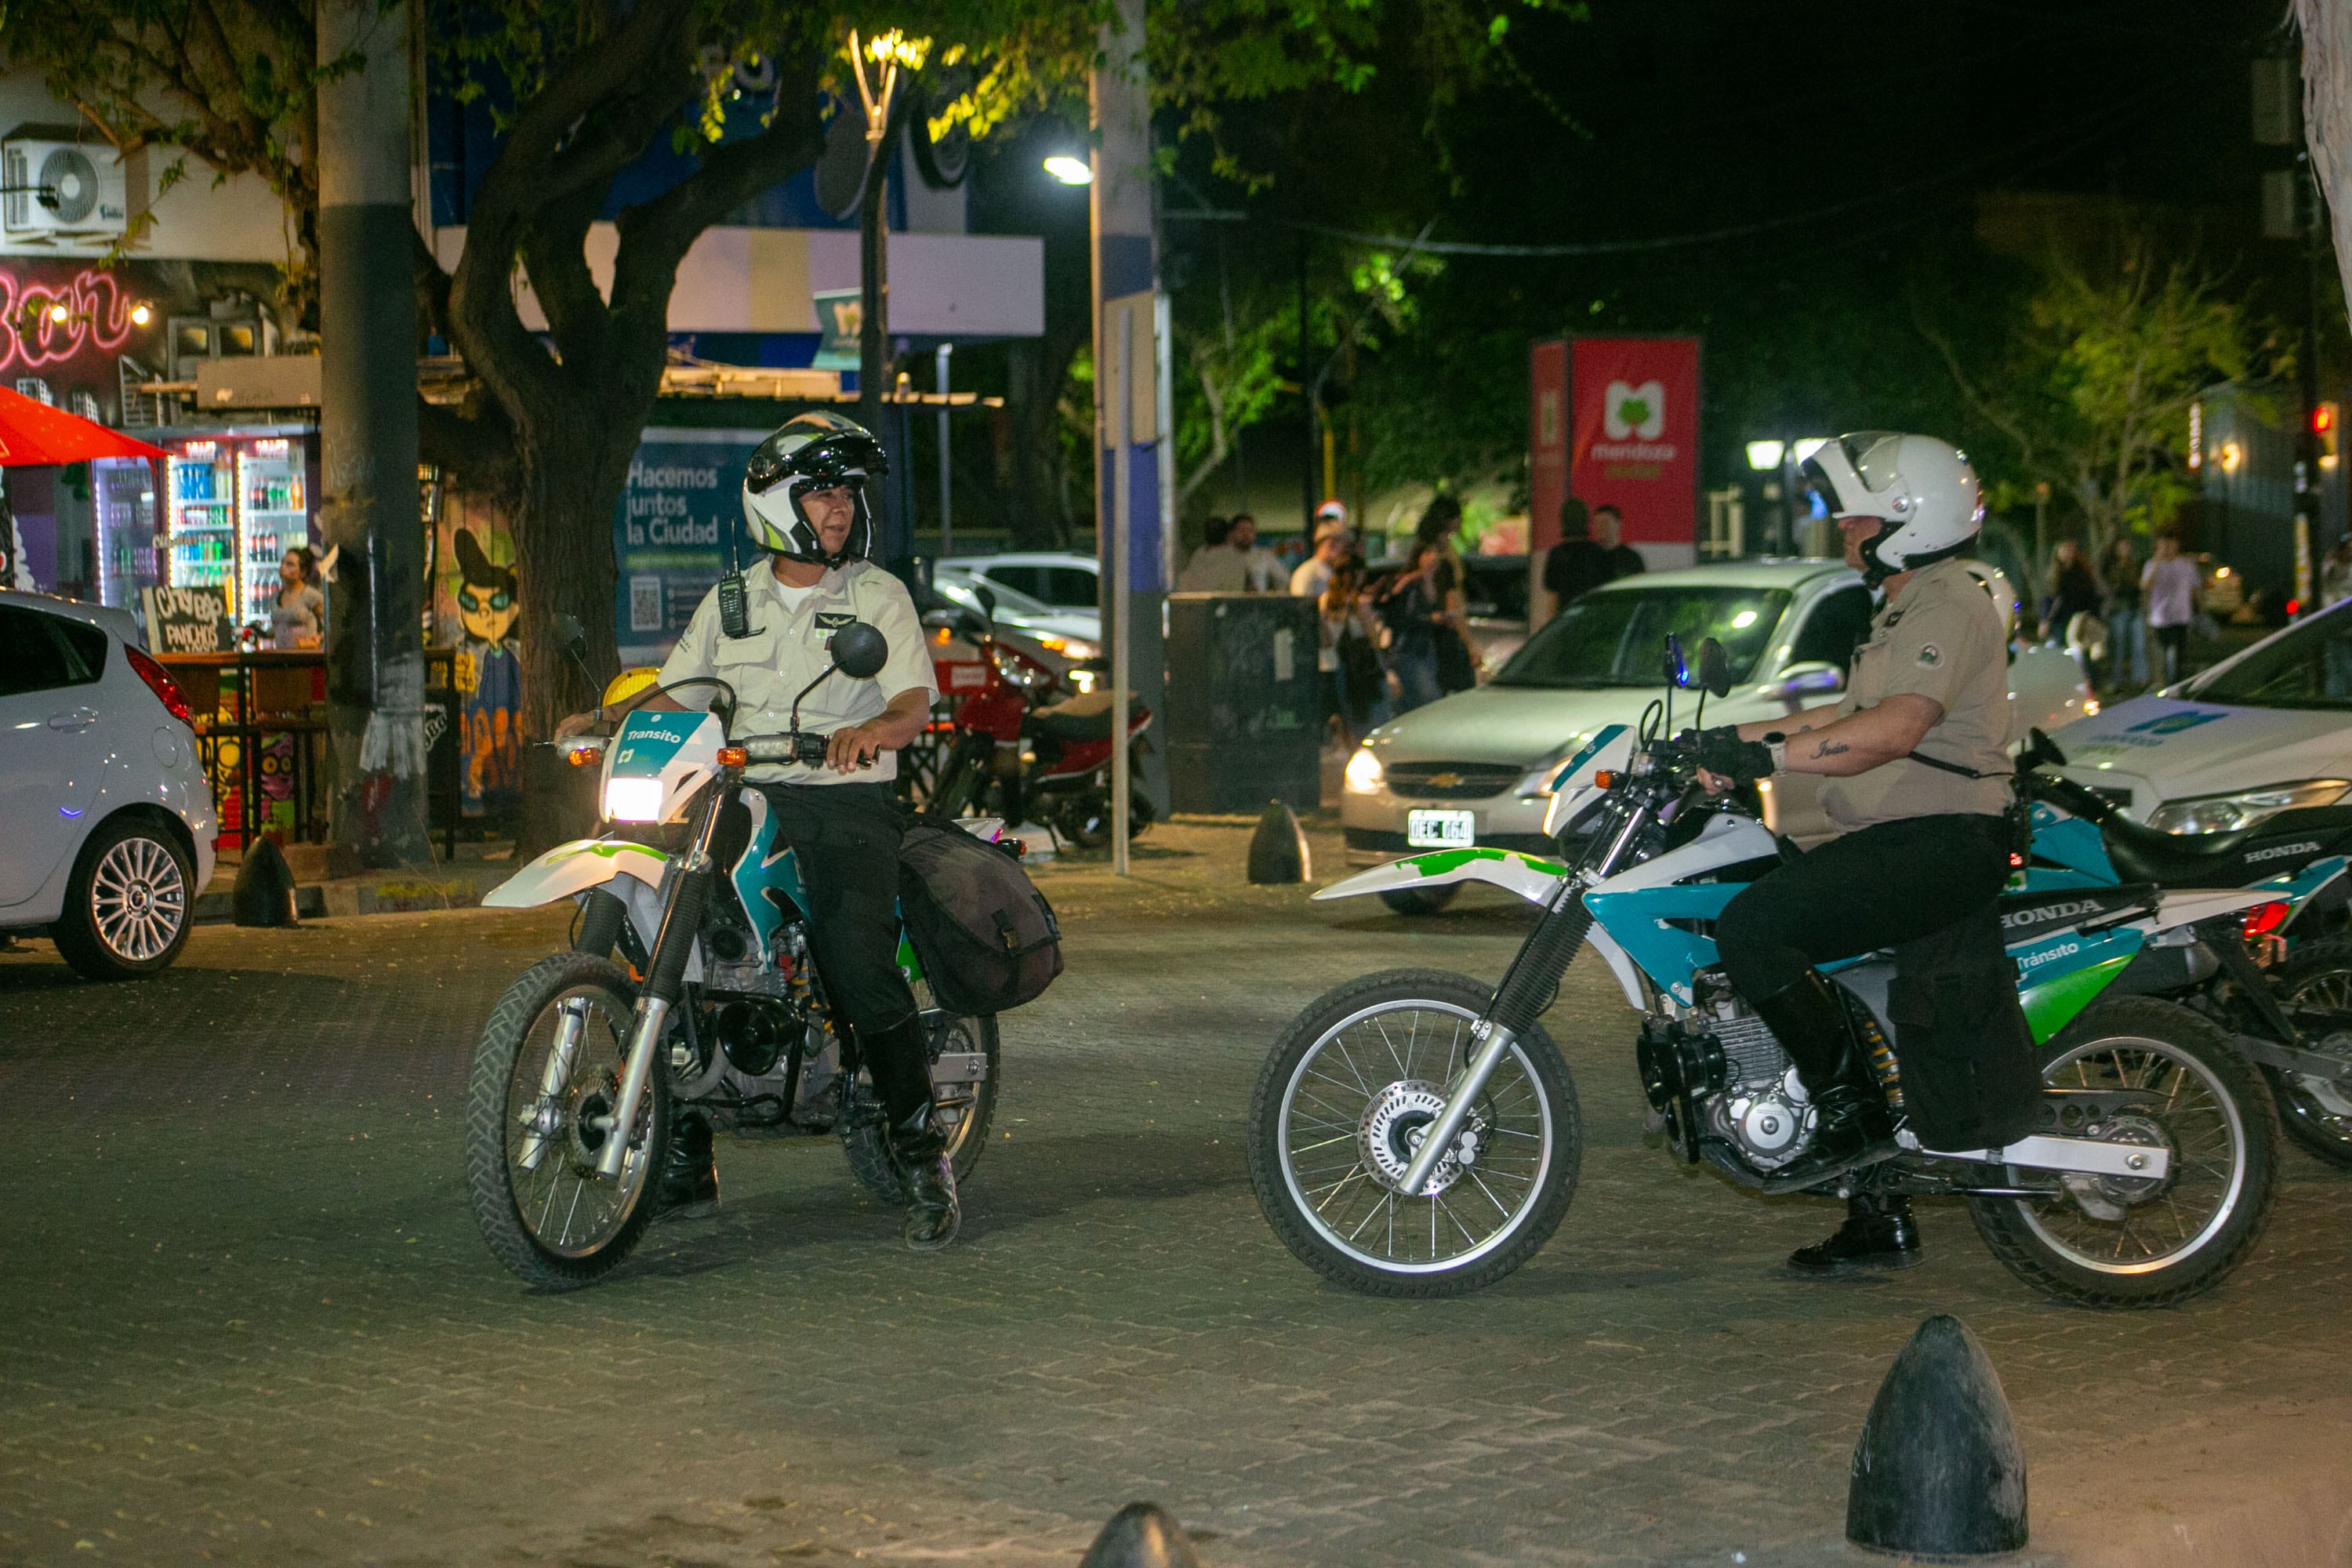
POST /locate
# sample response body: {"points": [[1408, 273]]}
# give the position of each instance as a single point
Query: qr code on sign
{"points": [[644, 604]]}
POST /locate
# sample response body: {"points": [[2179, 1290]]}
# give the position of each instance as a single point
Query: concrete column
{"points": [[1127, 263], [367, 332]]}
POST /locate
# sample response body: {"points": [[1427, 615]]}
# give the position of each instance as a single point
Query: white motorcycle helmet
{"points": [[811, 451], [1922, 490]]}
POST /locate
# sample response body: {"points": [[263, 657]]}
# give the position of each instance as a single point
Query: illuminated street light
{"points": [[1070, 171], [1805, 447], [1764, 455]]}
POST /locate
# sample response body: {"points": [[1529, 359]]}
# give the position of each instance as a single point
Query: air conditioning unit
{"points": [[62, 190]]}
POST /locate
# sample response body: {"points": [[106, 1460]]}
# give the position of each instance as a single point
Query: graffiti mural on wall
{"points": [[489, 677]]}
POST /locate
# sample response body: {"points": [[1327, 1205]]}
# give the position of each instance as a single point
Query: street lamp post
{"points": [[886, 100]]}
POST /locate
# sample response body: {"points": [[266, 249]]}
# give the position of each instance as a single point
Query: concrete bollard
{"points": [[1140, 1535], [1278, 851], [265, 887], [1938, 1470]]}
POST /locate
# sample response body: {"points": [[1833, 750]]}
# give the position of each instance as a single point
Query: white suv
{"points": [[106, 822]]}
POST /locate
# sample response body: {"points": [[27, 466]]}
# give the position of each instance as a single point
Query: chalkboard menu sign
{"points": [[186, 620]]}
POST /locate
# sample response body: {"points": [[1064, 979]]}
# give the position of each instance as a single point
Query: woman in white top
{"points": [[2172, 587]]}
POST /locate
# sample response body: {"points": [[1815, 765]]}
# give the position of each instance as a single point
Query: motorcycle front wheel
{"points": [[2315, 1113], [2112, 1241], [1341, 1107], [547, 1068]]}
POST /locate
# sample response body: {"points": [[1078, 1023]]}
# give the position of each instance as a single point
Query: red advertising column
{"points": [[1633, 441], [1547, 442]]}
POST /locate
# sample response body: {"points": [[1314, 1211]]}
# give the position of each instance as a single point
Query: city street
{"points": [[245, 1316]]}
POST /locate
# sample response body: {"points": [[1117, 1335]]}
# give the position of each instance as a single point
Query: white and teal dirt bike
{"points": [[1416, 1132], [690, 984]]}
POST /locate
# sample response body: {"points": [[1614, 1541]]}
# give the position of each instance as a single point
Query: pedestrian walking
{"points": [[2070, 606], [2126, 620], [2173, 591], [1213, 568], [1346, 654], [1260, 569], [1420, 604], [1577, 564]]}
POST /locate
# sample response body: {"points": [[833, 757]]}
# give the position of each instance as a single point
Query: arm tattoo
{"points": [[1831, 749]]}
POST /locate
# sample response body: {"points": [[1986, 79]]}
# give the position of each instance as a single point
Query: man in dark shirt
{"points": [[1576, 565], [1624, 561]]}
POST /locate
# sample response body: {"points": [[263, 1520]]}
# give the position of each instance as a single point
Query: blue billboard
{"points": [[678, 529]]}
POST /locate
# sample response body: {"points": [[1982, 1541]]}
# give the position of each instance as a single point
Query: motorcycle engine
{"points": [[1763, 1110]]}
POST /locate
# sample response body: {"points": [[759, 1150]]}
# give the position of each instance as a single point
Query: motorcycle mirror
{"points": [[987, 597], [570, 636], [858, 650], [1714, 668], [1677, 672]]}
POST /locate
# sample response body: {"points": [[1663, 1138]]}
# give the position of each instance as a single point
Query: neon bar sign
{"points": [[97, 317]]}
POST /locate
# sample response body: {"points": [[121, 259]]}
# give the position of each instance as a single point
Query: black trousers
{"points": [[846, 838], [1870, 888]]}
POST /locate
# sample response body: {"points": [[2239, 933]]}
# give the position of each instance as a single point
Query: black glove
{"points": [[1721, 751]]}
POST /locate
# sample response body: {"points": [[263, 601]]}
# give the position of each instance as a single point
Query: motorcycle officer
{"points": [[805, 504], [1915, 754]]}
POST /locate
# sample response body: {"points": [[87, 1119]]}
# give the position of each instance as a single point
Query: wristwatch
{"points": [[1778, 744]]}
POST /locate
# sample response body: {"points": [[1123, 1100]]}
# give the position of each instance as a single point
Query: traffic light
{"points": [[2325, 417]]}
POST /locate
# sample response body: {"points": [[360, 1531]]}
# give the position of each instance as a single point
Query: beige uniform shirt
{"points": [[1942, 640], [786, 650]]}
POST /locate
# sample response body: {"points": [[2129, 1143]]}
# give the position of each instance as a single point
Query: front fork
{"points": [[681, 923], [1527, 988]]}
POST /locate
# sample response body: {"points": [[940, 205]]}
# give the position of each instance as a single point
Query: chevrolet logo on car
{"points": [[1443, 781]]}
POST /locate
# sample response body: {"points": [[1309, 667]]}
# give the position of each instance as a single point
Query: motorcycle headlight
{"points": [[633, 800], [2229, 812], [1364, 774]]}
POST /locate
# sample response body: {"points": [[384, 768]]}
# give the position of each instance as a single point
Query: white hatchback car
{"points": [[1474, 768], [106, 822], [1046, 592]]}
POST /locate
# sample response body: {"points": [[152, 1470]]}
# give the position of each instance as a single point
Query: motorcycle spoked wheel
{"points": [[1084, 818], [972, 1107], [1333, 1122], [2317, 975], [530, 1147], [2112, 1242]]}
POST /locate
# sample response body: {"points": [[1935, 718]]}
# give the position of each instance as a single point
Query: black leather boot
{"points": [[688, 1185], [1852, 1125], [921, 1153], [1878, 1233]]}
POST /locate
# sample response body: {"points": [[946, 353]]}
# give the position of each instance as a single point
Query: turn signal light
{"points": [[1604, 780], [734, 756], [2265, 918], [581, 756]]}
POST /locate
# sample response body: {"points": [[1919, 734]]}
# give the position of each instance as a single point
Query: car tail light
{"points": [[2265, 918], [158, 682]]}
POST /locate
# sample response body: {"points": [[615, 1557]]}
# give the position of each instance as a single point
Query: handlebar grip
{"points": [[793, 746]]}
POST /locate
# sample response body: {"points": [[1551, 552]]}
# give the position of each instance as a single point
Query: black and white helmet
{"points": [[810, 452], [1923, 489]]}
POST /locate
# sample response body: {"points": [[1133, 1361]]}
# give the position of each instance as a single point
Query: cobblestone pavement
{"points": [[244, 1315]]}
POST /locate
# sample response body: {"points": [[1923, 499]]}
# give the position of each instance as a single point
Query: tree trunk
{"points": [[563, 566]]}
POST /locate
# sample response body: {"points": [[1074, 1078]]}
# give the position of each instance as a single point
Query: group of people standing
{"points": [[1383, 647], [2122, 604]]}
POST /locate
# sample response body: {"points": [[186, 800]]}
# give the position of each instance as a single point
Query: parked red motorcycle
{"points": [[1026, 724]]}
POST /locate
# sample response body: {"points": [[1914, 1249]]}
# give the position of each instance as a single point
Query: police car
{"points": [[2266, 730]]}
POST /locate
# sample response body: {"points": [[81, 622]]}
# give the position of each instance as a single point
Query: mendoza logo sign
{"points": [[1633, 434]]}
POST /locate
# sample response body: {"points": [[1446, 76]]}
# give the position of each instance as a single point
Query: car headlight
{"points": [[2229, 812], [633, 800], [1364, 775]]}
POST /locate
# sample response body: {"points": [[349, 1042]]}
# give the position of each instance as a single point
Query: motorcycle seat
{"points": [[1085, 718], [2285, 843]]}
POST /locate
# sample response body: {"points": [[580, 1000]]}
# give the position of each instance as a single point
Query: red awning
{"points": [[33, 434]]}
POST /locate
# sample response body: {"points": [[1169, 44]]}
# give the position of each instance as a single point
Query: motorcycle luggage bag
{"points": [[1971, 1077], [987, 937]]}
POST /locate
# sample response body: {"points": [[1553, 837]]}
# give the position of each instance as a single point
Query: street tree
{"points": [[2091, 394], [581, 90]]}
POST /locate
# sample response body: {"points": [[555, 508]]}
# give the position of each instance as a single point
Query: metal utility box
{"points": [[1245, 713]]}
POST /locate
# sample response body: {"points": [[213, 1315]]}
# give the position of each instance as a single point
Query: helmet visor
{"points": [[767, 468]]}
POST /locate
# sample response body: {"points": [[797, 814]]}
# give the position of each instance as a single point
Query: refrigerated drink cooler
{"points": [[235, 503]]}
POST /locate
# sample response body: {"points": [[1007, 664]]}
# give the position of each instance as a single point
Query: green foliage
{"points": [[2091, 391]]}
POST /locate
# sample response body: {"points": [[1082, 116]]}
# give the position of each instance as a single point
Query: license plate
{"points": [[1441, 829]]}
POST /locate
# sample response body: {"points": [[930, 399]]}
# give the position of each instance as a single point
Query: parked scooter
{"points": [[1027, 728], [1416, 1133]]}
